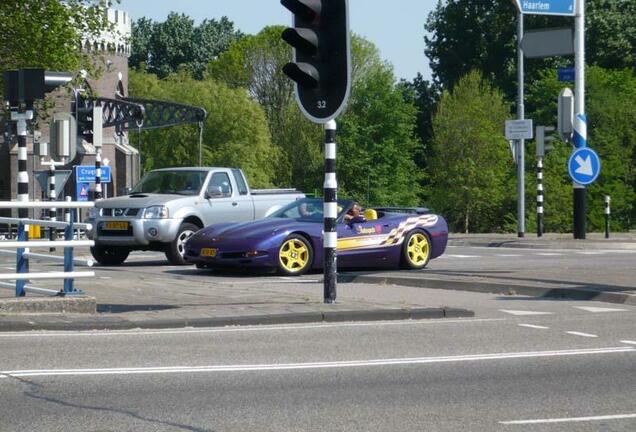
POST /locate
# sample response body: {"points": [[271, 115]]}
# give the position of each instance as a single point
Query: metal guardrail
{"points": [[23, 253]]}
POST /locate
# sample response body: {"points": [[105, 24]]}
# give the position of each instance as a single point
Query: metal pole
{"points": [[580, 135], [22, 263], [521, 198], [607, 216], [23, 176], [97, 142], [200, 144], [539, 196], [330, 240], [68, 256], [52, 211]]}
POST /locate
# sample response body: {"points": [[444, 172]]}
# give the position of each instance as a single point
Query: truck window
{"points": [[220, 181], [240, 182]]}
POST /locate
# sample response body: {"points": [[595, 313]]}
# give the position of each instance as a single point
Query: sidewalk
{"points": [[547, 241]]}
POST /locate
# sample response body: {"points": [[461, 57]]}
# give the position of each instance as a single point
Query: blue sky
{"points": [[395, 27]]}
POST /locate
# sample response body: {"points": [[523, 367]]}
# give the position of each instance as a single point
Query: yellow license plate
{"points": [[208, 252], [116, 226]]}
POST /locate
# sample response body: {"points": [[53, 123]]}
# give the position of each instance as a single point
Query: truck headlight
{"points": [[156, 212], [94, 212]]}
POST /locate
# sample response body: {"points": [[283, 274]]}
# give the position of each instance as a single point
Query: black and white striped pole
{"points": [[330, 239], [607, 216], [21, 119], [51, 196], [539, 196], [97, 143]]}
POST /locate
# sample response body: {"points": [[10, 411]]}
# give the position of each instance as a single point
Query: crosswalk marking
{"points": [[575, 333], [631, 342], [534, 326], [595, 309], [524, 312]]}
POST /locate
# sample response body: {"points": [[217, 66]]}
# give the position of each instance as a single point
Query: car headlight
{"points": [[94, 212], [156, 212]]}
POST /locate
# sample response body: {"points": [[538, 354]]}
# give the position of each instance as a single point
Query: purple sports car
{"points": [[290, 240]]}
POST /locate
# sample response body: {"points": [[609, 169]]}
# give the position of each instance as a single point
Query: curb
{"points": [[66, 323], [497, 288], [574, 244], [48, 305]]}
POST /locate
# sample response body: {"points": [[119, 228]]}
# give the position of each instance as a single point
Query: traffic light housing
{"points": [[25, 86], [544, 139], [322, 59]]}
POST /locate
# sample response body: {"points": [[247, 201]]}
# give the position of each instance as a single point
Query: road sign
{"points": [[546, 7], [566, 74], [86, 174], [518, 129], [584, 166], [548, 43], [81, 191], [61, 177]]}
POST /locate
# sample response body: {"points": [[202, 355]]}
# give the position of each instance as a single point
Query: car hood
{"points": [[140, 200], [255, 229]]}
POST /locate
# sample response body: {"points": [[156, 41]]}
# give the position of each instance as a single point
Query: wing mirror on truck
{"points": [[213, 192]]}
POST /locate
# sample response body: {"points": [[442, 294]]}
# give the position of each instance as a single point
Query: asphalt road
{"points": [[523, 365]]}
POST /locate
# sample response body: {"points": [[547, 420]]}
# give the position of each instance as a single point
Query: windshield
{"points": [[308, 210], [171, 182]]}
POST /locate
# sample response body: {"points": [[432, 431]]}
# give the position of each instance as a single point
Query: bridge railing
{"points": [[21, 250]]}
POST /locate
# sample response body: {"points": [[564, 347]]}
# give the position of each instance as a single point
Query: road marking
{"points": [[549, 254], [462, 256], [521, 312], [570, 419], [312, 365], [533, 326], [594, 309], [591, 252], [508, 255], [629, 342], [105, 277], [244, 328], [575, 333]]}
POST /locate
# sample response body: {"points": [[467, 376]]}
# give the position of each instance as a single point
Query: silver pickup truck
{"points": [[169, 205]]}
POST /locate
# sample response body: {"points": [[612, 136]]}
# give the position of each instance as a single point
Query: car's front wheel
{"points": [[295, 255], [416, 250], [110, 255], [176, 248]]}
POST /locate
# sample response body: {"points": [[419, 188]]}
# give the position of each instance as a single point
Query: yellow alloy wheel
{"points": [[418, 250], [294, 255]]}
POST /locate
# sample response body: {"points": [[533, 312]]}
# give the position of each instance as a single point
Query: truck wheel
{"points": [[109, 255], [176, 248], [295, 256]]}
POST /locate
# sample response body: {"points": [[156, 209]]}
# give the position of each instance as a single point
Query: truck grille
{"points": [[130, 212]]}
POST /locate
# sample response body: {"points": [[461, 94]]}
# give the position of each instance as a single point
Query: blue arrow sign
{"points": [[584, 166], [546, 7], [86, 174]]}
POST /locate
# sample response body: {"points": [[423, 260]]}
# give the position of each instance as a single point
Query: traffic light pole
{"points": [[521, 197], [580, 129], [21, 119], [330, 239], [539, 196]]}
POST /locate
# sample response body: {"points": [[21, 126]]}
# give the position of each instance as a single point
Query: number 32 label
{"points": [[322, 104]]}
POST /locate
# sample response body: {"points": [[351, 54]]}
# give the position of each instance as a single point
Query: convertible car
{"points": [[290, 240]]}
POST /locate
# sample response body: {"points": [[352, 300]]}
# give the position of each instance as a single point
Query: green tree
{"points": [[235, 131], [176, 43], [48, 33], [468, 34], [471, 168]]}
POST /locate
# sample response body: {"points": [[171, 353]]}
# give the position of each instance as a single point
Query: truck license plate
{"points": [[208, 252], [116, 226]]}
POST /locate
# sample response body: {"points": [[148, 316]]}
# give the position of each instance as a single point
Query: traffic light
{"points": [[322, 59], [25, 86], [544, 141], [566, 114]]}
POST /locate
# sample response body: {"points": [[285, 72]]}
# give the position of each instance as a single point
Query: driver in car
{"points": [[353, 215]]}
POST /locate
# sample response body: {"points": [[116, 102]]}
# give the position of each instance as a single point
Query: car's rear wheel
{"points": [[110, 255], [295, 255], [176, 248], [416, 250]]}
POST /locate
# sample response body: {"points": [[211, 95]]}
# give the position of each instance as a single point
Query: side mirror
{"points": [[213, 192]]}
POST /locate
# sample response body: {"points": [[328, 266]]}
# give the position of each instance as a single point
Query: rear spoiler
{"points": [[409, 210]]}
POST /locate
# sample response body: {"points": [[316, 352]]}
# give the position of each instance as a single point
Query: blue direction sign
{"points": [[546, 7], [86, 174], [584, 166], [566, 74]]}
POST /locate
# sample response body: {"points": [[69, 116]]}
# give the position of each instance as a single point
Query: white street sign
{"points": [[519, 129]]}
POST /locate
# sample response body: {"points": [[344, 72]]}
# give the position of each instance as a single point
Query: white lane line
{"points": [[594, 309], [631, 342], [534, 326], [590, 252], [548, 254], [522, 312], [508, 255], [462, 256], [575, 333], [244, 329], [313, 365], [569, 419]]}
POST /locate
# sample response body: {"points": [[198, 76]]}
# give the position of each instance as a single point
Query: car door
{"points": [[220, 203], [362, 244]]}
